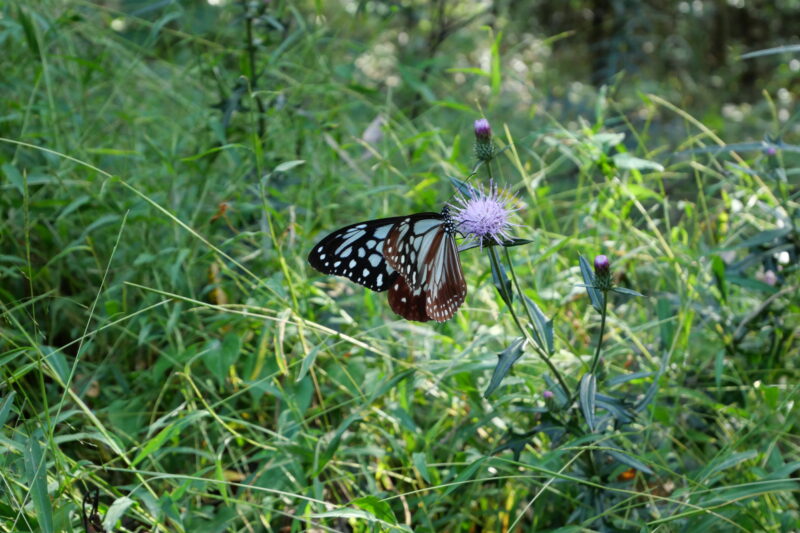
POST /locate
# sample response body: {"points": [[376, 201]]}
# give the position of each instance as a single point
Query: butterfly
{"points": [[414, 257]]}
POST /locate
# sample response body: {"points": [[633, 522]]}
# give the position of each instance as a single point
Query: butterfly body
{"points": [[414, 257]]}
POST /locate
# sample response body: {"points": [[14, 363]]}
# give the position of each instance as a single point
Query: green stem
{"points": [[596, 358], [524, 331]]}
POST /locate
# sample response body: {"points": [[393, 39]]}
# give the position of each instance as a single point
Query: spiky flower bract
{"points": [[484, 215], [484, 149], [602, 273]]}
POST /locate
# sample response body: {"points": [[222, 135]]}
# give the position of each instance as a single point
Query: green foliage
{"points": [[166, 167]]}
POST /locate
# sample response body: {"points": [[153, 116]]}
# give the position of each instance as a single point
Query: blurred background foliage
{"points": [[167, 165]]}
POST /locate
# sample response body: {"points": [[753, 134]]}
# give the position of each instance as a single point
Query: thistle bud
{"points": [[602, 273], [484, 149], [483, 131], [550, 401], [602, 265]]}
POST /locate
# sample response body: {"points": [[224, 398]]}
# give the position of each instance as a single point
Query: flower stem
{"points": [[524, 331], [596, 358]]}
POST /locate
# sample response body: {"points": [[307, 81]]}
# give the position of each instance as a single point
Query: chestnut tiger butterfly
{"points": [[414, 257]]}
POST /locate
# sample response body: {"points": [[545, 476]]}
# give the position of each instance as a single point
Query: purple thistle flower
{"points": [[547, 394], [601, 265], [602, 273], [483, 131], [484, 216]]}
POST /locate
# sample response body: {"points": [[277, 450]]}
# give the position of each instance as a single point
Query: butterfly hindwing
{"points": [[407, 302], [356, 252], [445, 286]]}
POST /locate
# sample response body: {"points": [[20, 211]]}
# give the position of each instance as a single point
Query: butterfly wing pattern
{"points": [[356, 252], [415, 257]]}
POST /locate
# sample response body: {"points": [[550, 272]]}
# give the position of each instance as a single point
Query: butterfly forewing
{"points": [[422, 249], [356, 252]]}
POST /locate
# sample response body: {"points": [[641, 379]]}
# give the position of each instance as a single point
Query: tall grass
{"points": [[165, 172]]}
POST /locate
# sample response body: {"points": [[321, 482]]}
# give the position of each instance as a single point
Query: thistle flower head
{"points": [[483, 131], [485, 215], [601, 265], [602, 273], [547, 394], [484, 148]]}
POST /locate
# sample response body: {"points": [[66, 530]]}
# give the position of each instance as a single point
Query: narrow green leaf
{"points": [[653, 388], [586, 397], [171, 430], [627, 161], [156, 442], [30, 32], [421, 464], [57, 361], [377, 507], [718, 465], [360, 514], [36, 474], [666, 321], [115, 512], [719, 366], [333, 445], [308, 362], [462, 187], [496, 64], [5, 407], [616, 408], [626, 292], [624, 458], [718, 269], [760, 238], [786, 49], [465, 475], [595, 296], [507, 244], [288, 165], [505, 361], [542, 327], [502, 283], [469, 70], [14, 177], [73, 206]]}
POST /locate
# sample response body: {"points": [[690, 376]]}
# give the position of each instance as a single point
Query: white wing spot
{"points": [[352, 263], [374, 260], [347, 251], [366, 272], [379, 281], [361, 252], [382, 232], [321, 256], [336, 264], [360, 226], [370, 244]]}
